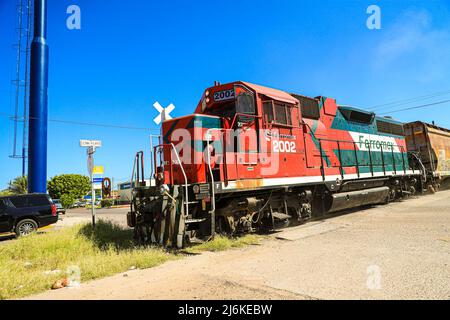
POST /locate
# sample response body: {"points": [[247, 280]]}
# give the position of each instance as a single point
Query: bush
{"points": [[75, 185], [106, 203], [67, 201], [5, 193]]}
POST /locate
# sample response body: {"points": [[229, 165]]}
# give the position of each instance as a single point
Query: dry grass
{"points": [[24, 262], [223, 243]]}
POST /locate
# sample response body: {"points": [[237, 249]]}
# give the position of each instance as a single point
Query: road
{"points": [[79, 215], [74, 216], [397, 251]]}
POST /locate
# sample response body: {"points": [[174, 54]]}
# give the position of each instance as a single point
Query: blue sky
{"points": [[128, 55]]}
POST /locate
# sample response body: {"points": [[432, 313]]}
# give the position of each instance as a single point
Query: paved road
{"points": [[74, 216], [397, 251], [79, 215]]}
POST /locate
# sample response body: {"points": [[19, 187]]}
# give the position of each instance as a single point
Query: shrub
{"points": [[67, 200], [75, 185], [106, 203]]}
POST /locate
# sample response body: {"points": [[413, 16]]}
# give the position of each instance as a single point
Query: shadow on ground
{"points": [[107, 234]]}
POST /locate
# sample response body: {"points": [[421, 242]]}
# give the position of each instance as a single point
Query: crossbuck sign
{"points": [[164, 113]]}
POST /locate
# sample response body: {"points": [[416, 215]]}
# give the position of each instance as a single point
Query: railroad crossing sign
{"points": [[164, 113]]}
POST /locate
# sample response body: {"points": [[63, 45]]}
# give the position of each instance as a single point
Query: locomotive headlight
{"points": [[196, 188], [207, 100], [207, 93]]}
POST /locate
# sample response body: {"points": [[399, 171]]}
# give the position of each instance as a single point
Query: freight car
{"points": [[255, 158], [431, 144]]}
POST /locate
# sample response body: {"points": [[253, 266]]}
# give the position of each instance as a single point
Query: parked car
{"points": [[24, 214], [59, 208], [79, 204]]}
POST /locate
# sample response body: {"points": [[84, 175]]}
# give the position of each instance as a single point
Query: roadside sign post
{"points": [[91, 145], [90, 152]]}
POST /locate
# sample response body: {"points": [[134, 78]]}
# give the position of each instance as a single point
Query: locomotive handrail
{"points": [[341, 169], [382, 160], [135, 172], [393, 161], [185, 180], [356, 159], [224, 154], [370, 159], [152, 165], [171, 172], [322, 169], [424, 175], [213, 196], [403, 159]]}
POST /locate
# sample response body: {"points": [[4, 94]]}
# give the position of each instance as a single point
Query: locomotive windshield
{"points": [[245, 103]]}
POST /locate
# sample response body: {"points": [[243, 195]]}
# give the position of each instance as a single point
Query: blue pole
{"points": [[37, 136]]}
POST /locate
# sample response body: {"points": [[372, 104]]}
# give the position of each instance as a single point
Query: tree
{"points": [[67, 200], [106, 203], [5, 192], [19, 185], [75, 185]]}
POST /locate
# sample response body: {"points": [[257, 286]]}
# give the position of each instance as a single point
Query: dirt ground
{"points": [[397, 251]]}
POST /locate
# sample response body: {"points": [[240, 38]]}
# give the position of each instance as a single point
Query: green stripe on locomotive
{"points": [[393, 161]]}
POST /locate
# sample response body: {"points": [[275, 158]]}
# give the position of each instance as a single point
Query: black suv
{"points": [[26, 213]]}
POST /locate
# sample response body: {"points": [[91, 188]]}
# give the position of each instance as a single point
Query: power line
{"points": [[409, 100], [93, 124], [416, 107]]}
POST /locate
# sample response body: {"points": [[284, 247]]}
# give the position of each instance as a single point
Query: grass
{"points": [[110, 250], [224, 243], [25, 263]]}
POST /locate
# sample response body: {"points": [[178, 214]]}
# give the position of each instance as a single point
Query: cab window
{"points": [[277, 113], [268, 112]]}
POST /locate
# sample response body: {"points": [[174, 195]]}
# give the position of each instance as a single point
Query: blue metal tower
{"points": [[37, 132]]}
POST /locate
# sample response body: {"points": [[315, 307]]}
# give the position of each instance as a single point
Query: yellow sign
{"points": [[97, 170]]}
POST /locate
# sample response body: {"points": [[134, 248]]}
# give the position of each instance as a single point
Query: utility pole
{"points": [[112, 190], [37, 134]]}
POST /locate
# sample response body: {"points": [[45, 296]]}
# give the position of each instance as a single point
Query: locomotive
{"points": [[253, 158]]}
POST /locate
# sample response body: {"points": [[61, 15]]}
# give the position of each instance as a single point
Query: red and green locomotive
{"points": [[254, 158]]}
